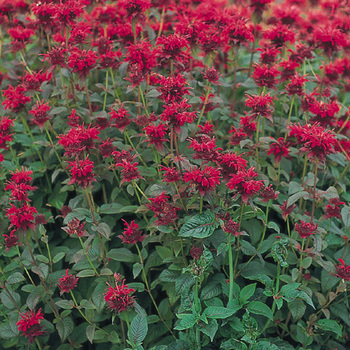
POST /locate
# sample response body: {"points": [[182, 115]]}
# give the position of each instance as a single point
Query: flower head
{"points": [[196, 252], [118, 298], [75, 227], [67, 283], [22, 217], [305, 229], [131, 233], [343, 271], [81, 172], [279, 149], [10, 240], [173, 88], [82, 61], [29, 324]]}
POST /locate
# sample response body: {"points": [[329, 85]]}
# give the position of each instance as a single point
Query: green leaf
{"points": [[90, 332], [65, 304], [136, 269], [330, 325], [59, 256], [10, 299], [64, 327], [187, 321], [328, 281], [199, 226], [121, 254], [111, 208], [129, 208], [17, 277], [233, 344], [246, 293], [297, 308], [210, 291], [86, 273], [345, 215], [259, 308], [295, 197], [218, 312], [139, 327], [209, 329], [97, 296], [169, 276], [164, 252], [247, 248]]}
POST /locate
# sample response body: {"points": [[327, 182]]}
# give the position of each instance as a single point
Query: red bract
{"points": [[203, 180], [56, 57], [212, 75], [165, 212], [237, 31], [329, 39], [343, 271], [135, 8], [265, 75], [286, 210], [205, 148], [333, 208], [173, 88], [40, 114], [268, 54], [231, 227], [82, 61], [67, 283], [196, 252], [29, 324], [141, 55], [130, 171], [120, 118], [22, 217], [324, 113], [34, 80], [268, 193], [296, 85], [75, 227], [131, 233], [279, 35], [171, 47], [305, 229], [316, 141], [171, 174], [68, 11], [81, 172], [11, 240], [118, 298], [230, 163], [15, 98], [244, 183], [156, 135]]}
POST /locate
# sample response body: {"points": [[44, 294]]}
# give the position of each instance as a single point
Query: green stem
{"points": [[204, 105], [201, 204], [87, 255], [143, 101], [265, 225], [133, 147], [116, 95], [139, 189], [238, 238], [53, 147], [314, 194], [88, 97], [14, 156], [257, 139], [289, 116], [38, 344], [105, 98], [231, 268]]}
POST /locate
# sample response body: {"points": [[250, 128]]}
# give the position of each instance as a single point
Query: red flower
{"points": [[135, 8], [67, 283], [329, 39], [203, 180], [40, 113], [279, 34], [244, 184], [260, 105], [268, 193], [56, 57], [230, 163], [296, 85], [231, 227], [316, 141], [237, 31], [22, 176], [118, 298], [82, 61], [81, 172], [286, 211], [106, 148], [279, 149], [171, 174], [75, 227], [196, 252], [15, 98], [120, 118], [324, 113], [165, 212], [20, 33], [156, 135], [265, 75], [29, 324], [130, 171], [68, 11], [5, 133], [131, 233], [237, 136], [305, 229], [343, 271], [268, 54], [171, 47], [22, 218], [333, 208], [11, 240], [33, 81], [173, 88], [205, 148]]}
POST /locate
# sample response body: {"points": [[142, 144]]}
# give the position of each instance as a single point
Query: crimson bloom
{"points": [[260, 105], [155, 134], [333, 208], [343, 271], [171, 174], [305, 229], [67, 283], [265, 76], [5, 131], [131, 233], [316, 141], [81, 172], [203, 180], [82, 61], [15, 98], [173, 88], [74, 227], [40, 114], [120, 118], [10, 240], [196, 252], [22, 217], [244, 183], [118, 298], [165, 212], [279, 149], [130, 171], [29, 324]]}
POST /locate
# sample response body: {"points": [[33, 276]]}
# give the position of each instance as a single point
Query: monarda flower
{"points": [[316, 141], [286, 210], [120, 118], [333, 209], [106, 148], [75, 227], [15, 98], [82, 61], [204, 147], [81, 172], [204, 180], [268, 193], [268, 54], [305, 229], [5, 131], [343, 271], [196, 252], [129, 172], [32, 81], [212, 75], [40, 113], [29, 324], [288, 69], [173, 88], [244, 183], [171, 47], [131, 233], [118, 298], [295, 87], [279, 35], [329, 39], [22, 217], [260, 105], [135, 8], [230, 163], [237, 31], [231, 227], [10, 240], [324, 113], [67, 283], [155, 135], [141, 55], [56, 57], [265, 76], [237, 136], [279, 149], [68, 12], [165, 212], [170, 174]]}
